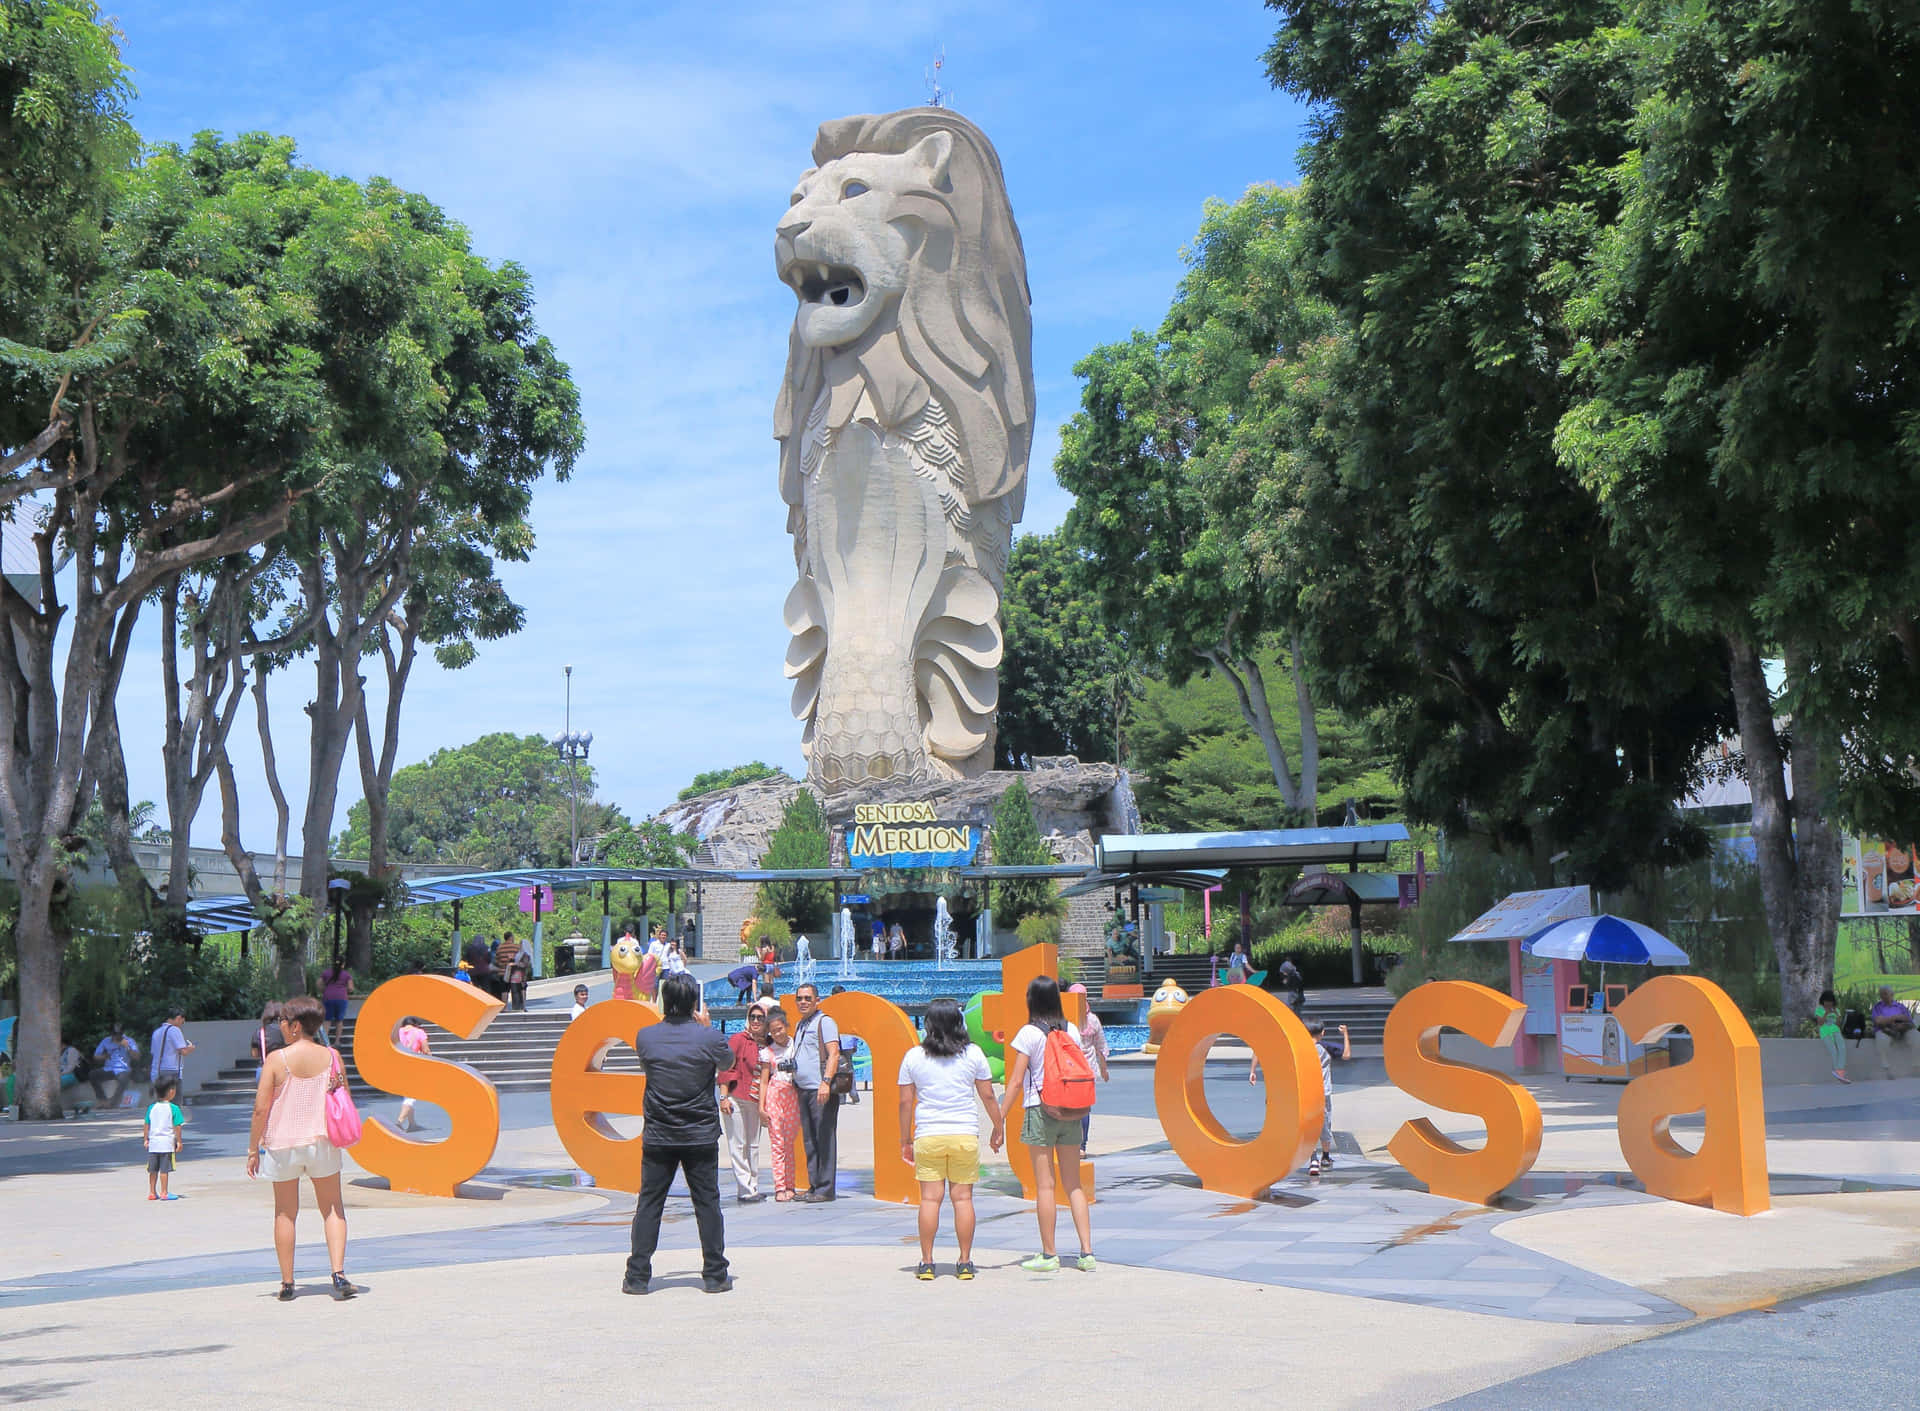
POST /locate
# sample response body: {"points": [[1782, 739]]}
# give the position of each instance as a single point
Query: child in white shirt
{"points": [[162, 1135]]}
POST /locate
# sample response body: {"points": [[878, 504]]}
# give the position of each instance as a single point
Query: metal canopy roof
{"points": [[1346, 889], [1192, 881], [1282, 847], [214, 915]]}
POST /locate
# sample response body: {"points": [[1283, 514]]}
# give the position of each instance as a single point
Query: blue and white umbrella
{"points": [[1610, 940]]}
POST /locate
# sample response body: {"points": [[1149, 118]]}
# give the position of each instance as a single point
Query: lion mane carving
{"points": [[905, 422]]}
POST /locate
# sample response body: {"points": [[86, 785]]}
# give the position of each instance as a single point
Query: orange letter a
{"points": [[1729, 1171]]}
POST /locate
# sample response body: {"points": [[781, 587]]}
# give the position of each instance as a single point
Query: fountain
{"points": [[944, 951], [803, 962], [843, 944]]}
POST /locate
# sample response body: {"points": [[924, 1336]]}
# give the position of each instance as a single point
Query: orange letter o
{"points": [[1415, 1067], [471, 1102], [1729, 1171], [1295, 1104], [582, 1094]]}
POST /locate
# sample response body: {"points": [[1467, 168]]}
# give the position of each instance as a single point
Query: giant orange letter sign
{"points": [[889, 1034], [1004, 1013], [582, 1093], [471, 1102], [1723, 1080], [1295, 1104], [1416, 1068]]}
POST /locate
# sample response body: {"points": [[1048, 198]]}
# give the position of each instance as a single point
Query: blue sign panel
{"points": [[908, 835]]}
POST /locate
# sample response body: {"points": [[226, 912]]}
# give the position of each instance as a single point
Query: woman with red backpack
{"points": [[1048, 1073]]}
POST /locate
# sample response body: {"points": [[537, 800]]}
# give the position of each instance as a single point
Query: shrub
{"points": [[1040, 928], [772, 929]]}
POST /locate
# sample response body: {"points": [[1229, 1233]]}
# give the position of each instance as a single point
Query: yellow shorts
{"points": [[954, 1158]]}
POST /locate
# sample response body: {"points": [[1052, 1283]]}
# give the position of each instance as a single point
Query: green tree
{"points": [[1198, 768], [175, 386], [1169, 554], [1459, 588], [644, 844], [499, 802], [1064, 679], [1015, 841], [711, 780], [1749, 413], [801, 842]]}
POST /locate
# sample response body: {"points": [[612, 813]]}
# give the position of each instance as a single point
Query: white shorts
{"points": [[315, 1160]]}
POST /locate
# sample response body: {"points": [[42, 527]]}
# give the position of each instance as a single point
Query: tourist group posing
{"points": [[788, 1079]]}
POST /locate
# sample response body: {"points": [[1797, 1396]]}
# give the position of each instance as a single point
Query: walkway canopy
{"points": [[213, 915], [1280, 847]]}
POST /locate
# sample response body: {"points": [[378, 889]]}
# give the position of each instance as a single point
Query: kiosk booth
{"points": [[1592, 1043]]}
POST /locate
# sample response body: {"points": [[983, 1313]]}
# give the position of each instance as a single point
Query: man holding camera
{"points": [[683, 1059], [819, 1083]]}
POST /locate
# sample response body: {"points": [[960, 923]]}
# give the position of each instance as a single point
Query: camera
{"points": [[786, 1065]]}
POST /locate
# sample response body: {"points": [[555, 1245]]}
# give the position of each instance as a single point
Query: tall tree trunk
{"points": [[1250, 688], [282, 813], [1309, 732], [1796, 842], [376, 773], [41, 951], [110, 772]]}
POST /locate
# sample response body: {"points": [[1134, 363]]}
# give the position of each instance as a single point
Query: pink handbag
{"points": [[343, 1118]]}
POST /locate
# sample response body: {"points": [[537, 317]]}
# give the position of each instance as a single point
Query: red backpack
{"points": [[1066, 1078]]}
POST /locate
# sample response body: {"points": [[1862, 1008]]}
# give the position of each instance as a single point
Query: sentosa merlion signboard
{"points": [[908, 835], [904, 422]]}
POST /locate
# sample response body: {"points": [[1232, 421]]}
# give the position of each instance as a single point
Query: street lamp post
{"points": [[572, 748]]}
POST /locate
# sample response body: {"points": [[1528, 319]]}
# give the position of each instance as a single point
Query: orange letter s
{"points": [[1414, 1065], [471, 1102]]}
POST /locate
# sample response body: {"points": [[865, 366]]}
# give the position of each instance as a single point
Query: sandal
{"points": [[783, 1196]]}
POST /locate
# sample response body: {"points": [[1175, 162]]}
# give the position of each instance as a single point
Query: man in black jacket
{"points": [[683, 1059]]}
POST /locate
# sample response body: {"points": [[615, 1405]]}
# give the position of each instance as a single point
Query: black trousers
{"points": [[702, 1167], [819, 1129]]}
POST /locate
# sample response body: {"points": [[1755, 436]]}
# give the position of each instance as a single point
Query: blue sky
{"points": [[634, 158]]}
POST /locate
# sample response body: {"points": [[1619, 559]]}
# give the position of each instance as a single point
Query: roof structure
{"points": [[1192, 881], [1163, 853], [214, 915]]}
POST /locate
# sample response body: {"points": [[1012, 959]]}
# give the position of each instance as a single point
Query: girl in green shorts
{"points": [[1054, 1142]]}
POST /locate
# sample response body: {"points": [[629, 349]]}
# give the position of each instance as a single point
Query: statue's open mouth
{"points": [[816, 283]]}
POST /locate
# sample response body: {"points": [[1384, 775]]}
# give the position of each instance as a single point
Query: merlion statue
{"points": [[904, 422]]}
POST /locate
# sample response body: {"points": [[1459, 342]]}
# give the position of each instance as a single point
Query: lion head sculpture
{"points": [[905, 422]]}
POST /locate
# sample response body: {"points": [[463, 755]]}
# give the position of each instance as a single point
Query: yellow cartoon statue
{"points": [[626, 965], [1166, 1002]]}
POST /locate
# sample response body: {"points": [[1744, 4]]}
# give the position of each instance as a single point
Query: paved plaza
{"points": [[1363, 1287]]}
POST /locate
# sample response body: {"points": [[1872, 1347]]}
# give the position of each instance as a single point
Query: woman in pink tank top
{"points": [[289, 1139]]}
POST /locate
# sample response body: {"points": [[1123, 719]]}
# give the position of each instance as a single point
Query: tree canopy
{"points": [[801, 842], [1065, 678], [499, 802]]}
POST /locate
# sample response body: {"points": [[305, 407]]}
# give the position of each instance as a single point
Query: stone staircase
{"points": [[515, 1052]]}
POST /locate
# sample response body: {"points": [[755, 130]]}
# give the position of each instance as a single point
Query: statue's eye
{"points": [[853, 188], [794, 199]]}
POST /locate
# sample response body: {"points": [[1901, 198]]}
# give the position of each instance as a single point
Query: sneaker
{"points": [[924, 1273], [964, 1269], [754, 1199], [1313, 1169], [286, 1293], [630, 1285], [1326, 1161], [1042, 1264], [716, 1285], [343, 1288], [1840, 1074], [1087, 1263]]}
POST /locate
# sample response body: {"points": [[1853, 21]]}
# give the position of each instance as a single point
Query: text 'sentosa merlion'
{"points": [[904, 422]]}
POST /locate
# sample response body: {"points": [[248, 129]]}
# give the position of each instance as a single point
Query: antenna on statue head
{"points": [[939, 97]]}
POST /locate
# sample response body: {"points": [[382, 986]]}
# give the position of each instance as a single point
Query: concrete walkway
{"points": [[1362, 1289]]}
